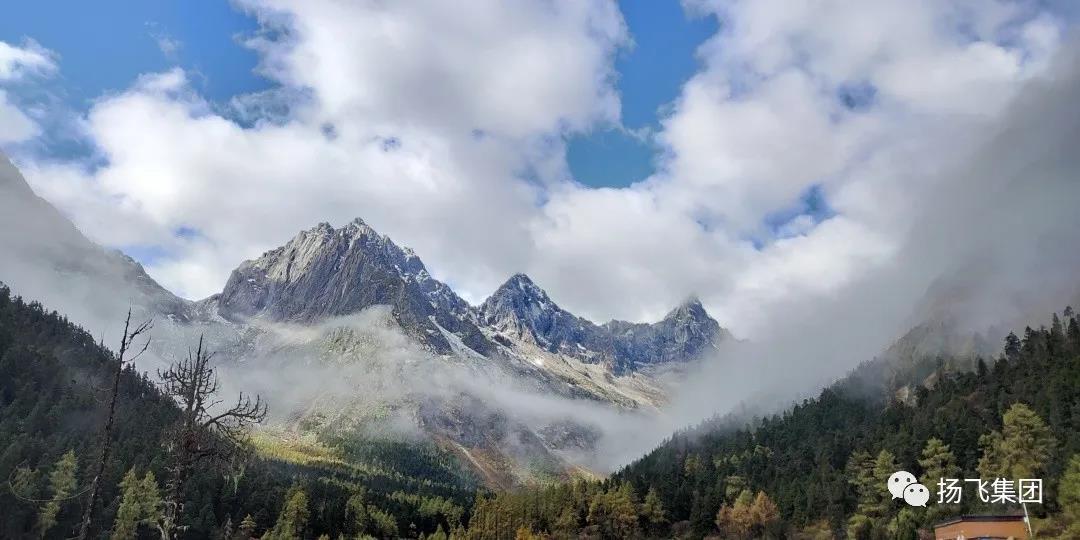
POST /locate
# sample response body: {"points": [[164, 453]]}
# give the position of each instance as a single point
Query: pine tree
{"points": [[1012, 346], [385, 524], [624, 511], [61, 486], [1021, 450], [1073, 334], [357, 513], [150, 498], [139, 504], [733, 486], [439, 534], [865, 475], [128, 515], [906, 525], [567, 522], [525, 533], [937, 462], [1056, 339], [652, 510], [884, 466], [247, 526], [293, 519], [1069, 495]]}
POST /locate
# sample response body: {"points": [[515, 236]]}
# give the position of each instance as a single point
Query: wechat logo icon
{"points": [[903, 485]]}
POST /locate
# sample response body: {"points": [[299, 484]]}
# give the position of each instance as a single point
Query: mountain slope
{"points": [[52, 374], [48, 259], [811, 461]]}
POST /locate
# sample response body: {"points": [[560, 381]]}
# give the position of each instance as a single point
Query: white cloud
{"points": [[479, 97], [15, 126], [16, 65], [17, 62], [475, 96], [510, 68]]}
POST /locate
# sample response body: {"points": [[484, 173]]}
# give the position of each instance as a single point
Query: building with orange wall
{"points": [[982, 528]]}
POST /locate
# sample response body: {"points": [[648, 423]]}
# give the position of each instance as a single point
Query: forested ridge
{"points": [[54, 384], [814, 471], [819, 469]]}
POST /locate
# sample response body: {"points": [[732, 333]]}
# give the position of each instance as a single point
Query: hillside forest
{"points": [[814, 471]]}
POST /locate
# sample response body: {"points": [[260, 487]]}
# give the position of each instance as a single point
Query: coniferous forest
{"points": [[55, 381], [815, 471]]}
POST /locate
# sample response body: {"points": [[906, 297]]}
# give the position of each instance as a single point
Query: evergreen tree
{"points": [[865, 475], [357, 514], [1012, 346], [293, 520], [907, 526], [61, 486], [247, 527], [128, 515], [383, 523], [140, 504], [937, 462], [525, 533], [439, 534], [1069, 496], [1021, 449], [1072, 335], [860, 473], [652, 510], [733, 486]]}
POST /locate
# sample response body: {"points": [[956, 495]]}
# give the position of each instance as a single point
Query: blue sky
{"points": [[651, 75], [205, 38], [104, 45]]}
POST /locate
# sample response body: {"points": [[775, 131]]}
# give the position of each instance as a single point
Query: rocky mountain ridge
{"points": [[325, 272], [521, 309]]}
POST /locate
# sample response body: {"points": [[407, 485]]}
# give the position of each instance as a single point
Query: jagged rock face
{"points": [[325, 272], [685, 333], [522, 310]]}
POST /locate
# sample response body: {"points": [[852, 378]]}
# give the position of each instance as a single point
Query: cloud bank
{"points": [[445, 129]]}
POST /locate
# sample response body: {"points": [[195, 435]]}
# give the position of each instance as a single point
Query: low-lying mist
{"points": [[993, 244]]}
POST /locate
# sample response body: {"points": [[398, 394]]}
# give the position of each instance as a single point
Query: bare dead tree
{"points": [[126, 342], [205, 433]]}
